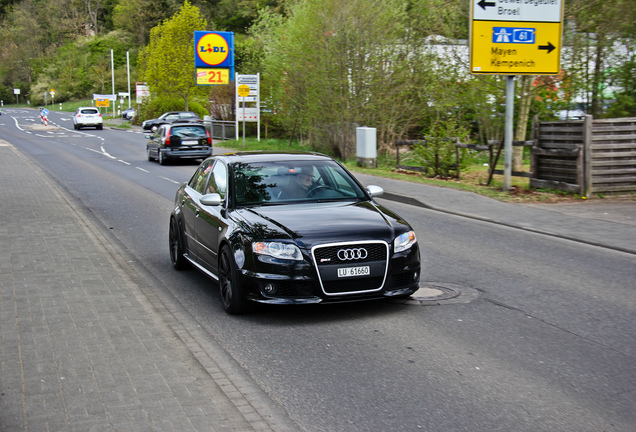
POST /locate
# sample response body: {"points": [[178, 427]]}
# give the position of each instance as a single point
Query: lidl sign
{"points": [[213, 49], [516, 37]]}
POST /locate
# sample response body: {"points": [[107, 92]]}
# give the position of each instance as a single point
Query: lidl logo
{"points": [[213, 49]]}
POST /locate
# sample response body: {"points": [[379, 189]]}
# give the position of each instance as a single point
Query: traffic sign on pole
{"points": [[516, 37]]}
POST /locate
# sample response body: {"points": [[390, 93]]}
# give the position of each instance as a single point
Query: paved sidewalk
{"points": [[82, 347]]}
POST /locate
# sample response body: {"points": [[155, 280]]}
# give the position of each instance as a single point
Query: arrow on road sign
{"points": [[484, 4], [549, 47]]}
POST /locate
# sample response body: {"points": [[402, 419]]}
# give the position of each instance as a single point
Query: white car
{"points": [[87, 117]]}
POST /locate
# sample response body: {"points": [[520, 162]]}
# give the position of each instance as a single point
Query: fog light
{"points": [[269, 289], [414, 276]]}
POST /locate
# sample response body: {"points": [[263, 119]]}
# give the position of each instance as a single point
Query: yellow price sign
{"points": [[102, 103], [207, 76]]}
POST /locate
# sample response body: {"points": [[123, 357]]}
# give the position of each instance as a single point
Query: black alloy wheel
{"points": [[233, 303], [179, 262], [161, 158], [150, 158]]}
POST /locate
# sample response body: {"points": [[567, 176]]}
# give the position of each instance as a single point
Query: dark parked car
{"points": [[170, 117], [128, 113], [179, 141], [290, 228]]}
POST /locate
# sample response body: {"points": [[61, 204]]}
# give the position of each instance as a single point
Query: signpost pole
{"points": [[510, 104], [244, 122]]}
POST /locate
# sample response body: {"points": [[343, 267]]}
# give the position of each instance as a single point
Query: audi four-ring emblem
{"points": [[352, 254]]}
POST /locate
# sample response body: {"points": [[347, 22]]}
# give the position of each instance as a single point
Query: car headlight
{"points": [[404, 241], [278, 250]]}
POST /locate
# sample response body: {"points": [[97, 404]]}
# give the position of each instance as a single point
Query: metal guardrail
{"points": [[221, 130]]}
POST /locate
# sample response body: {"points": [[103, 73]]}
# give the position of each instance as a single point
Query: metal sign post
{"points": [[510, 106], [247, 90]]}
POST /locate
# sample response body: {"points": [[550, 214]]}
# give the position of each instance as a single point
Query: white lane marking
{"points": [[170, 180], [123, 161], [17, 124], [141, 169]]}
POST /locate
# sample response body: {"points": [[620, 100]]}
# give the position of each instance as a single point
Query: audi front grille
{"points": [[370, 259]]}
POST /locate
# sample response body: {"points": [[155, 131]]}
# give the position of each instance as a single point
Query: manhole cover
{"points": [[436, 293]]}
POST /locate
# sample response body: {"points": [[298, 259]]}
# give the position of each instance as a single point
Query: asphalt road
{"points": [[545, 341]]}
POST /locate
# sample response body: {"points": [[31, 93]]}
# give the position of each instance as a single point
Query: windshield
{"points": [[189, 131], [293, 182]]}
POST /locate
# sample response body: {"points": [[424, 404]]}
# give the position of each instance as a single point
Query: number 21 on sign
{"points": [[213, 76]]}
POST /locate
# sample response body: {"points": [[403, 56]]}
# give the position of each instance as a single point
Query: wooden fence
{"points": [[580, 156], [585, 156]]}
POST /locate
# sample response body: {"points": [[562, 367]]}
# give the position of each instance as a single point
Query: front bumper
{"points": [[283, 283]]}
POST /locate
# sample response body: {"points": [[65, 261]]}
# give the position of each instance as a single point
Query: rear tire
{"points": [[161, 158], [150, 158], [229, 285]]}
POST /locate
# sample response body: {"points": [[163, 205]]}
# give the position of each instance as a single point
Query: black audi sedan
{"points": [[290, 228]]}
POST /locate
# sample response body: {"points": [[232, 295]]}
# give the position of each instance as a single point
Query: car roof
{"points": [[191, 124], [256, 156]]}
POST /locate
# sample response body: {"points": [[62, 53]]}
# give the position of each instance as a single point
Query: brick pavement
{"points": [[82, 346]]}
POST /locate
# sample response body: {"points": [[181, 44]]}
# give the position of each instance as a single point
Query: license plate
{"points": [[189, 142], [354, 271]]}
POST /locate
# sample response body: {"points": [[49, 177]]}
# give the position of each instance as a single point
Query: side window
{"points": [[198, 180], [218, 180], [342, 184]]}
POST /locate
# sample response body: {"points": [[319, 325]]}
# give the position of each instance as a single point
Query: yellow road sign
{"points": [[528, 48], [243, 90], [516, 37]]}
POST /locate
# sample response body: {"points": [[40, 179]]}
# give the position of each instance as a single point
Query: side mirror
{"points": [[148, 136], [211, 199], [375, 191]]}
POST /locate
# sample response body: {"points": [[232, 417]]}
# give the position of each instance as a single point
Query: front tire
{"points": [[229, 285], [179, 262]]}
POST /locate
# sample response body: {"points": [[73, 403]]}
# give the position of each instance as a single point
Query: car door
{"points": [[210, 222], [190, 206], [153, 143]]}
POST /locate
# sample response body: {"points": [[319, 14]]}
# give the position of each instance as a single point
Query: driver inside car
{"points": [[299, 184]]}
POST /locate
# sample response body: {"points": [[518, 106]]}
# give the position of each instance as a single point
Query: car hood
{"points": [[311, 224]]}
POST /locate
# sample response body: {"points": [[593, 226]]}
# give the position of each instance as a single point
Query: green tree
{"points": [[335, 64], [167, 63], [597, 31], [138, 17]]}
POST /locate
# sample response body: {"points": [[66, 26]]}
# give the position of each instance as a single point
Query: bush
{"points": [[440, 156]]}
